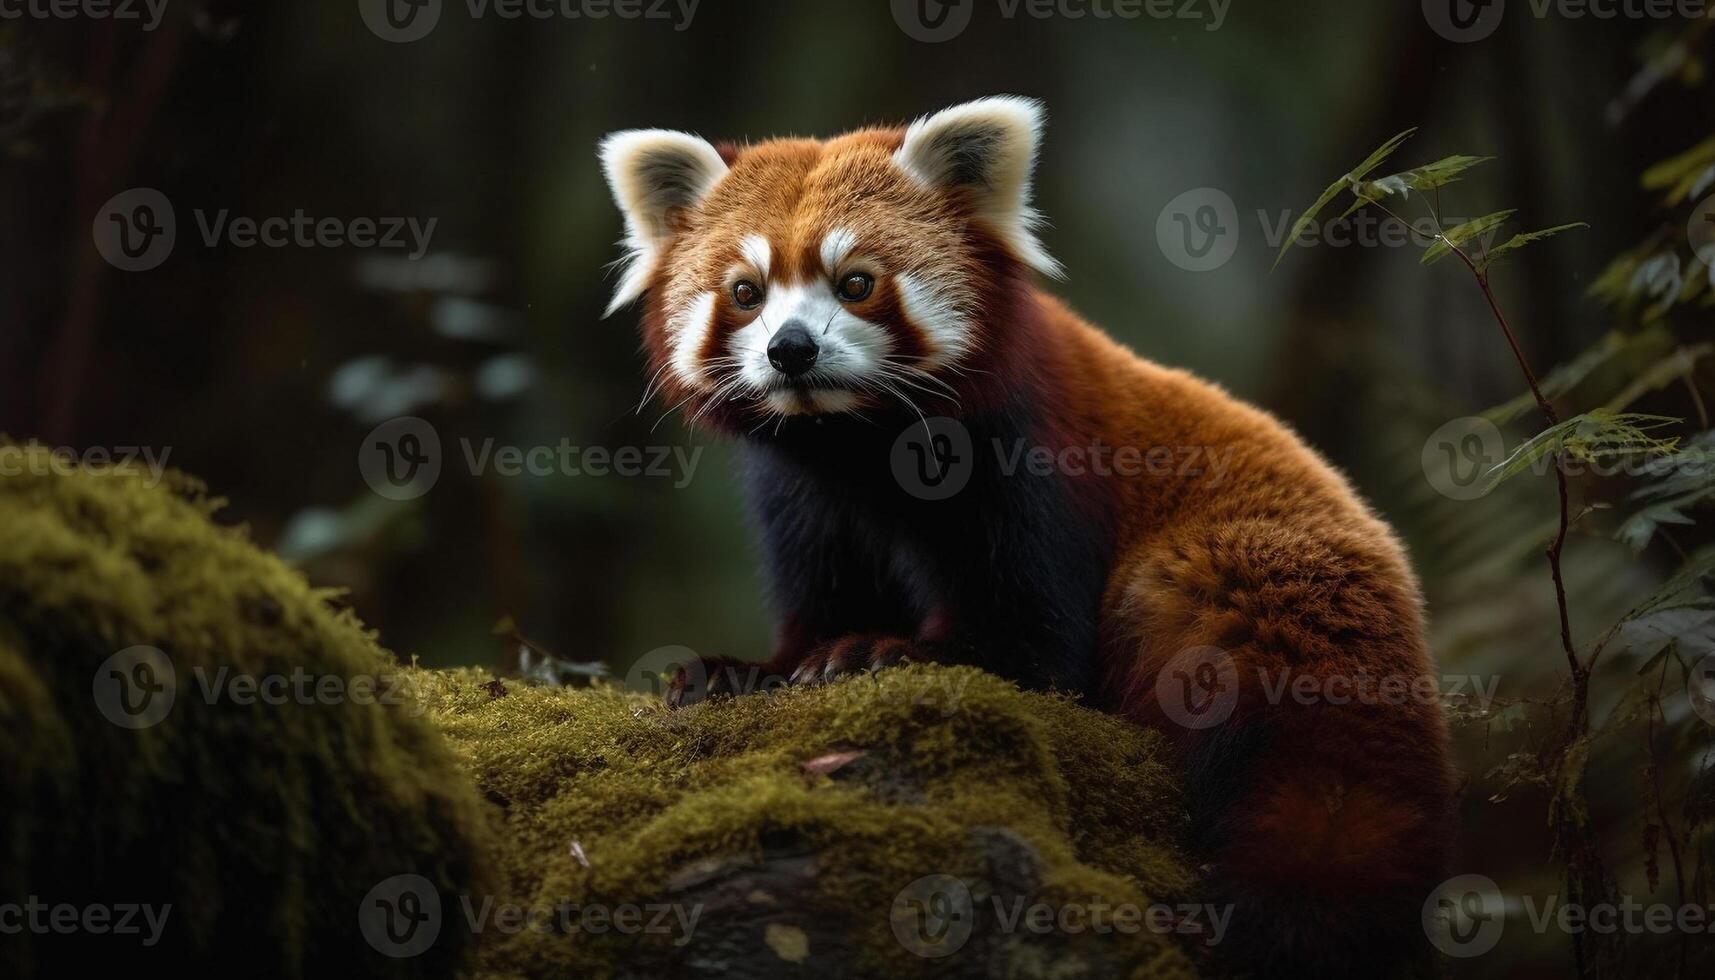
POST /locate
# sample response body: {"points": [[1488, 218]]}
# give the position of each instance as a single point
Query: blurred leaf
{"points": [[1510, 717], [1460, 234], [1671, 594], [1683, 176], [1614, 282], [1640, 528], [1659, 375], [1652, 662], [1681, 481], [1567, 376], [1700, 796], [1690, 625]]}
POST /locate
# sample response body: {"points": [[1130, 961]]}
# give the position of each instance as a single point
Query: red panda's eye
{"points": [[748, 295], [856, 287]]}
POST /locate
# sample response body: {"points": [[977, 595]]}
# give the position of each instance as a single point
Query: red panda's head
{"points": [[802, 277]]}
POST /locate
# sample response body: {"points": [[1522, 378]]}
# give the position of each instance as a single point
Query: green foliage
{"points": [[1350, 180], [1672, 625], [1459, 235], [1428, 177], [1663, 272], [1682, 482], [1684, 177], [1526, 238], [1591, 437]]}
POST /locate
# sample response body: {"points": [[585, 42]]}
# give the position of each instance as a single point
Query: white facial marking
{"points": [[852, 349], [686, 335], [836, 248], [757, 252], [936, 313]]}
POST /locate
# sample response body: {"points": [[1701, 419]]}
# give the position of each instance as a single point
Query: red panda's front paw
{"points": [[859, 653]]}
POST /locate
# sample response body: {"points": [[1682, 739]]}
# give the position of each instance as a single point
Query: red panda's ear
{"points": [[654, 175], [989, 148]]}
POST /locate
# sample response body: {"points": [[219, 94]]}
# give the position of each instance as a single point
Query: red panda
{"points": [[827, 302]]}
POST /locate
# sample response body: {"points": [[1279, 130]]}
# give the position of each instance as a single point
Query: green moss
{"points": [[777, 834], [1020, 796], [263, 826]]}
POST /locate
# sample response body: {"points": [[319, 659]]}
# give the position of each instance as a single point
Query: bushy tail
{"points": [[1326, 829]]}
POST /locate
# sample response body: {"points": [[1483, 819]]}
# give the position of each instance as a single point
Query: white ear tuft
{"points": [[653, 174], [988, 146]]}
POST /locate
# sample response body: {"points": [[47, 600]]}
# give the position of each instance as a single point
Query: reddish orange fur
{"points": [[1333, 807]]}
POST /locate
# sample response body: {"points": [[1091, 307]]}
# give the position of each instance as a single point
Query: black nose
{"points": [[792, 350]]}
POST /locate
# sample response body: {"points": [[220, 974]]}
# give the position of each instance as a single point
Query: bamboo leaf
{"points": [[1589, 437], [1428, 177], [1521, 240], [1346, 181], [1460, 234]]}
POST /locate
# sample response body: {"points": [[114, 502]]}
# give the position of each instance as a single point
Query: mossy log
{"points": [[905, 824]]}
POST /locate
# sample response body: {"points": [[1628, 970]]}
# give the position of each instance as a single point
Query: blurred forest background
{"points": [[261, 369]]}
